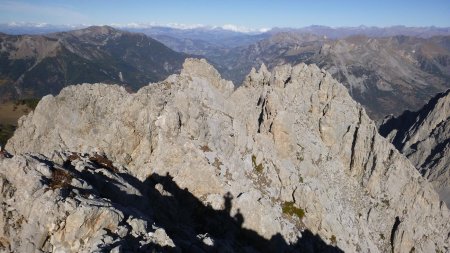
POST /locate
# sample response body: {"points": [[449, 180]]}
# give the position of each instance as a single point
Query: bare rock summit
{"points": [[287, 162]]}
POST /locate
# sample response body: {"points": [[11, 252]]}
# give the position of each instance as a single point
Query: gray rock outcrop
{"points": [[424, 137], [290, 150], [76, 207]]}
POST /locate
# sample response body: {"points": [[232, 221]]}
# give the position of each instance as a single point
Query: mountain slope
{"points": [[424, 137], [287, 154], [386, 75], [273, 51], [211, 42], [34, 66]]}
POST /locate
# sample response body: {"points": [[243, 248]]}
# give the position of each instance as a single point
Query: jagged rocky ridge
{"points": [[386, 75], [288, 155], [424, 137]]}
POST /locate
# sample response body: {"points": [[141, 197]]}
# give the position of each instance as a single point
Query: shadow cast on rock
{"points": [[185, 219]]}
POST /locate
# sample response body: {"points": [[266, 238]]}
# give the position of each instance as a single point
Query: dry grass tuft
{"points": [[60, 179]]}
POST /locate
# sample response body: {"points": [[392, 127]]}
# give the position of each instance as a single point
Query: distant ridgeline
{"points": [[387, 70], [32, 66], [386, 75]]}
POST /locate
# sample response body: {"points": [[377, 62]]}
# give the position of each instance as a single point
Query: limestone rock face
{"points": [[424, 137], [80, 206], [289, 157]]}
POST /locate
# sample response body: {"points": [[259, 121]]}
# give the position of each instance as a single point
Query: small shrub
{"points": [[259, 168], [205, 148], [217, 163], [103, 162], [382, 236], [60, 179], [385, 202], [73, 157], [333, 240], [290, 209], [299, 156]]}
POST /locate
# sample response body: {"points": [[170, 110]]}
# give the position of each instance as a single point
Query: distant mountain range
{"points": [[387, 75], [189, 31], [370, 31], [198, 40], [36, 65], [388, 70]]}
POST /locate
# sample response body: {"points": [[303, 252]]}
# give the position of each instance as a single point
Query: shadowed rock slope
{"points": [[37, 65], [287, 156], [84, 203], [424, 137]]}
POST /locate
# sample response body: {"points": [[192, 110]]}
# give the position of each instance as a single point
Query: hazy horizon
{"points": [[232, 15]]}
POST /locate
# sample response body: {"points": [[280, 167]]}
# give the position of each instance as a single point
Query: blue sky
{"points": [[250, 13]]}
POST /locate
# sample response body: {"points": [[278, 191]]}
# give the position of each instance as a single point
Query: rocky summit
{"points": [[386, 75], [287, 162], [424, 137]]}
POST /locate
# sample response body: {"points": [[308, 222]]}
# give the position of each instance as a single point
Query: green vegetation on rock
{"points": [[258, 167], [290, 209]]}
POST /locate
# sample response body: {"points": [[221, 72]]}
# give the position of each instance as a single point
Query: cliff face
{"points": [[424, 137], [286, 156]]}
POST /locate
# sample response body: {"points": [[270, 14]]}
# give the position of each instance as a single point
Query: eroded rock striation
{"points": [[424, 137], [287, 161]]}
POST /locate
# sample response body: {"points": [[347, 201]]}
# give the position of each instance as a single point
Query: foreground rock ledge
{"points": [[288, 159]]}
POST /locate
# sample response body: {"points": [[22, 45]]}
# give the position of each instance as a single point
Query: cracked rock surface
{"points": [[424, 137], [288, 159]]}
